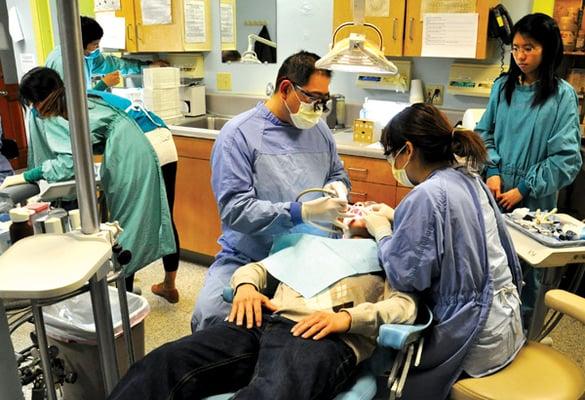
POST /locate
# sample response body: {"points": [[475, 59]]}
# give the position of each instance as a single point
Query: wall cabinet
{"points": [[195, 212], [161, 37], [372, 180], [402, 27]]}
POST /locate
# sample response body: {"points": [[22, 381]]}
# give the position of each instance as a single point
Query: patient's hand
{"points": [[248, 303], [321, 323]]}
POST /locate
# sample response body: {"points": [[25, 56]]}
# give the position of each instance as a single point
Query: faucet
{"points": [[336, 117]]}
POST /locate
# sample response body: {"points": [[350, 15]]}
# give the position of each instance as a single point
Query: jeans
{"points": [[259, 363]]}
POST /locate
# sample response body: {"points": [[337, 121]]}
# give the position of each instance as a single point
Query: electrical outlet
{"points": [[434, 94], [224, 81]]}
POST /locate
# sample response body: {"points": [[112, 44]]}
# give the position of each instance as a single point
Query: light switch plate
{"points": [[224, 81]]}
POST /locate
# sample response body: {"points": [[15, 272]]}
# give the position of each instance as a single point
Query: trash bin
{"points": [[70, 327]]}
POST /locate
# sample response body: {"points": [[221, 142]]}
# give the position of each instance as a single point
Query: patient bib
{"points": [[310, 264]]}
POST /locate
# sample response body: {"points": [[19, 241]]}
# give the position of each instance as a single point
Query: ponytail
{"points": [[431, 134], [467, 145]]}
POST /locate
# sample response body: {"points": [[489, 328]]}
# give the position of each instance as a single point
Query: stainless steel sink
{"points": [[204, 122]]}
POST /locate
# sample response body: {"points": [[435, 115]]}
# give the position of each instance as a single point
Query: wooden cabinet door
{"points": [[195, 211], [160, 37], [391, 25], [414, 27], [126, 11], [202, 46]]}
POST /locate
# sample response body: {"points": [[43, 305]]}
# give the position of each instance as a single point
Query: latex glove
{"points": [[111, 79], [339, 188], [13, 180], [325, 209], [384, 210], [378, 225]]}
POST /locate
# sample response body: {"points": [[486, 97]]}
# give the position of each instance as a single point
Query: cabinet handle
{"points": [[128, 32], [138, 29], [357, 171], [395, 22], [411, 29], [356, 197]]}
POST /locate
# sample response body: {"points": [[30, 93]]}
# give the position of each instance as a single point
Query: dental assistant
{"points": [[449, 245], [531, 124], [261, 160], [130, 174], [95, 63]]}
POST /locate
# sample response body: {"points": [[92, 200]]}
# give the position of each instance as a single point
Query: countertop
{"points": [[343, 139]]}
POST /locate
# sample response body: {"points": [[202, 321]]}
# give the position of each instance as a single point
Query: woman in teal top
{"points": [[130, 172], [531, 125]]}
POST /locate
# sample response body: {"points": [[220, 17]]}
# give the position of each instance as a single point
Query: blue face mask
{"points": [[94, 54]]}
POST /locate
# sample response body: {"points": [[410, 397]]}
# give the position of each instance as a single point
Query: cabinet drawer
{"points": [[368, 170], [193, 147], [364, 191]]}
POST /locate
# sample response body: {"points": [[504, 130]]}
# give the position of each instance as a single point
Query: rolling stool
{"points": [[537, 372]]}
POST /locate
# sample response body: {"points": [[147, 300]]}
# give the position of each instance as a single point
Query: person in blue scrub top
{"points": [[449, 245], [261, 160], [96, 64], [531, 124]]}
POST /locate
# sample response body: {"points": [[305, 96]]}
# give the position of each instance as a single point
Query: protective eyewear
{"points": [[318, 101]]}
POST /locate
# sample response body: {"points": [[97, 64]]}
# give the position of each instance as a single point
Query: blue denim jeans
{"points": [[259, 363]]}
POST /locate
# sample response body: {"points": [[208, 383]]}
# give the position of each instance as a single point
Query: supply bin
{"points": [[70, 327]]}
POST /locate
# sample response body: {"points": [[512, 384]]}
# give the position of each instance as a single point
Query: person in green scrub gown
{"points": [[130, 173]]}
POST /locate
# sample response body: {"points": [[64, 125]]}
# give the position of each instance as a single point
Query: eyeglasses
{"points": [[526, 50], [319, 101]]}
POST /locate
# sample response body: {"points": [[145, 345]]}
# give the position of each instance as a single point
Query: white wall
{"points": [[307, 24], [24, 46]]}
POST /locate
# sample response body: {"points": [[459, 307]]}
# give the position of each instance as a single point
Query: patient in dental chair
{"points": [[286, 347]]}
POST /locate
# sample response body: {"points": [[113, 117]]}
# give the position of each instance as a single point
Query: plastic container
{"points": [[70, 327], [21, 226], [161, 77]]}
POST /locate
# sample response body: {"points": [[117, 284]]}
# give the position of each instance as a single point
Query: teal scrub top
{"points": [[130, 174], [533, 148]]}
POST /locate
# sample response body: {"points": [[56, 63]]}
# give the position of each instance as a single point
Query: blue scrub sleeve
{"points": [[563, 160], [232, 181], [336, 171], [410, 257], [100, 86], [486, 127]]}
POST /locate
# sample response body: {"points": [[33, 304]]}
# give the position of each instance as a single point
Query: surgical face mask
{"points": [[400, 174], [94, 54], [306, 117]]}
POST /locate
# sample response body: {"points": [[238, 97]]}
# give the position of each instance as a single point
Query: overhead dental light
{"points": [[355, 53], [249, 56]]}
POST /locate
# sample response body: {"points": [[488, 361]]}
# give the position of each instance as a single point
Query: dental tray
{"points": [[549, 241]]}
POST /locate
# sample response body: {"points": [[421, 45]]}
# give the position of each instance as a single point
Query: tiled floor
{"points": [[167, 322]]}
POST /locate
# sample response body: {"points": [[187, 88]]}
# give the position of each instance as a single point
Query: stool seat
{"points": [[538, 372], [51, 265]]}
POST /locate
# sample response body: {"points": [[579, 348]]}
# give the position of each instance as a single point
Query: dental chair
{"points": [[538, 371], [399, 347]]}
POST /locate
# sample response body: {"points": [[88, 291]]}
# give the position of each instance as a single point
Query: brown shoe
{"points": [[170, 295]]}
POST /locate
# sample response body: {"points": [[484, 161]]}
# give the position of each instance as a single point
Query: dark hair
{"points": [[90, 31], [544, 30], [431, 134], [298, 68], [43, 86]]}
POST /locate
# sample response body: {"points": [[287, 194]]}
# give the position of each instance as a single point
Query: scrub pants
{"points": [[263, 363], [210, 307]]}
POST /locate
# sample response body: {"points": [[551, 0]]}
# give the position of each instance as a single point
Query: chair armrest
{"points": [[228, 294], [567, 303], [399, 336]]}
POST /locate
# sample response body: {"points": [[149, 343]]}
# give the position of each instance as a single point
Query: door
{"points": [[13, 120], [160, 37]]}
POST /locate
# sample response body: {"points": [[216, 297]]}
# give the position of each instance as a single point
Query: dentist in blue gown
{"points": [[261, 160]]}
